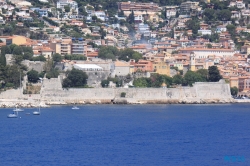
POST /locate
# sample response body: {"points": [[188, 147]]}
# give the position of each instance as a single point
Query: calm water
{"points": [[127, 135]]}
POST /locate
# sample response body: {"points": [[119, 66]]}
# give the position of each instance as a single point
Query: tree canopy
{"points": [[194, 25], [57, 57], [234, 91], [33, 76], [110, 52], [214, 74], [75, 78]]}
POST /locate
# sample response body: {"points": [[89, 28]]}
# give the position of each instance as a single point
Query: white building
{"points": [[100, 15], [139, 18], [240, 4], [72, 4], [88, 67], [205, 32], [205, 52], [170, 13], [220, 29]]}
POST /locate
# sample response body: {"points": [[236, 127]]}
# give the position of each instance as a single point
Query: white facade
{"points": [[204, 53], [139, 18], [170, 13], [205, 32], [88, 67], [72, 4], [100, 15], [220, 29], [240, 4]]}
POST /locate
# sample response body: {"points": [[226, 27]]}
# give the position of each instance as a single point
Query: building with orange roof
{"points": [[18, 40], [161, 67], [142, 48], [142, 65], [122, 68]]}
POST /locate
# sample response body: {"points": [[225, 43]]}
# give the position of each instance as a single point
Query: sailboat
{"points": [[13, 115], [18, 109], [75, 108], [38, 112]]}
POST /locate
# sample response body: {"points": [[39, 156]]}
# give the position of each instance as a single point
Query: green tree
{"points": [[140, 82], [136, 56], [209, 14], [108, 52], [177, 79], [127, 54], [191, 77], [194, 25], [27, 55], [57, 57], [67, 8], [204, 74], [105, 83], [234, 91], [214, 74], [12, 46], [224, 15], [2, 60], [33, 76], [131, 18], [231, 29], [209, 45], [5, 50], [94, 18], [17, 50], [53, 73], [38, 58], [18, 59], [12, 75], [78, 78]]}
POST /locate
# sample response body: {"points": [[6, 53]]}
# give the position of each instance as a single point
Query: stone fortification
{"points": [[218, 92], [53, 93]]}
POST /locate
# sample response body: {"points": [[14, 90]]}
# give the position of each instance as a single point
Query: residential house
{"points": [[122, 68]]}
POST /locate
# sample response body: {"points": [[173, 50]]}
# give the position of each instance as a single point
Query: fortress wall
{"points": [[52, 92], [212, 90], [52, 83], [10, 94], [76, 94]]}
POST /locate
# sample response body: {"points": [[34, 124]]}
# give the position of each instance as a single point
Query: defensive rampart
{"points": [[201, 92], [53, 93]]}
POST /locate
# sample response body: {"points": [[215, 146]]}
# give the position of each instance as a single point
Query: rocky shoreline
{"points": [[32, 104]]}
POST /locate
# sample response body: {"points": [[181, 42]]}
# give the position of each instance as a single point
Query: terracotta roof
{"points": [[121, 64]]}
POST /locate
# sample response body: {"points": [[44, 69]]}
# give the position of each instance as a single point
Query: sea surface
{"points": [[140, 135]]}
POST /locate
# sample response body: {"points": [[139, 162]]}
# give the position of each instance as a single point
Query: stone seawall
{"points": [[201, 92], [53, 93]]}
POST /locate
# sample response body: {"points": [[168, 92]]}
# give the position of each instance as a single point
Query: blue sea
{"points": [[140, 135]]}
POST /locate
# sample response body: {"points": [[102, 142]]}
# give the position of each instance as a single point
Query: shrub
{"points": [[123, 94], [9, 85]]}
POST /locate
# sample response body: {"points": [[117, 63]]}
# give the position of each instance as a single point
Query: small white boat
{"points": [[18, 109], [13, 115], [75, 108], [38, 112]]}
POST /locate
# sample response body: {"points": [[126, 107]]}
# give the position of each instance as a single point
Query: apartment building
{"points": [[72, 4], [77, 46], [205, 52], [129, 6], [186, 6]]}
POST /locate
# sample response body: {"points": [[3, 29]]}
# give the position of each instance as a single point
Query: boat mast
{"points": [[20, 85]]}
